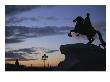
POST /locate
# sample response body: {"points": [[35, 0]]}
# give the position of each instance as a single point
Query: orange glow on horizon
{"points": [[36, 63]]}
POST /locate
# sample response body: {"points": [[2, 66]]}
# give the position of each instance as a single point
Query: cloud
{"points": [[14, 9], [15, 34], [13, 19], [11, 54], [21, 54], [33, 50], [16, 20], [52, 51], [48, 18], [13, 40], [26, 53], [26, 50]]}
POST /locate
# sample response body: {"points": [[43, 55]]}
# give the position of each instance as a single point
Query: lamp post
{"points": [[44, 58]]}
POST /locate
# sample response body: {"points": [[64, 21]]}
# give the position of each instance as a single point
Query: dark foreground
{"points": [[12, 67]]}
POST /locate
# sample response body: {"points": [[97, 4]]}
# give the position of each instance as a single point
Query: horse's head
{"points": [[79, 19]]}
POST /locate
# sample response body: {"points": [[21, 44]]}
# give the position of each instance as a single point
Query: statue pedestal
{"points": [[83, 57]]}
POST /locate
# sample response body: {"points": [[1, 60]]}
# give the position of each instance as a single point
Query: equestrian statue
{"points": [[84, 27]]}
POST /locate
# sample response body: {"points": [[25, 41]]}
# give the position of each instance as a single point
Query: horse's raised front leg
{"points": [[69, 34]]}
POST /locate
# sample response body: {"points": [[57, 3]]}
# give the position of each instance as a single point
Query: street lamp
{"points": [[44, 58]]}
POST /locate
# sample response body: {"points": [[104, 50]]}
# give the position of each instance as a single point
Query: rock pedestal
{"points": [[83, 57]]}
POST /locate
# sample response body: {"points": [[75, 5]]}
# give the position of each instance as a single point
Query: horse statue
{"points": [[84, 27]]}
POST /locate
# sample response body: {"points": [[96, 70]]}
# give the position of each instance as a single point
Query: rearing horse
{"points": [[83, 29]]}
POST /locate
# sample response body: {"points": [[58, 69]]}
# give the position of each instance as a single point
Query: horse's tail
{"points": [[103, 43]]}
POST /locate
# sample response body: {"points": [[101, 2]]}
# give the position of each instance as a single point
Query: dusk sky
{"points": [[52, 15], [52, 25]]}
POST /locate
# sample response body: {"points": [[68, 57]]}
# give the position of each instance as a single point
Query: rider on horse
{"points": [[84, 27]]}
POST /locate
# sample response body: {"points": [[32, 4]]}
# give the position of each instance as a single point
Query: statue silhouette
{"points": [[84, 27], [17, 62]]}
